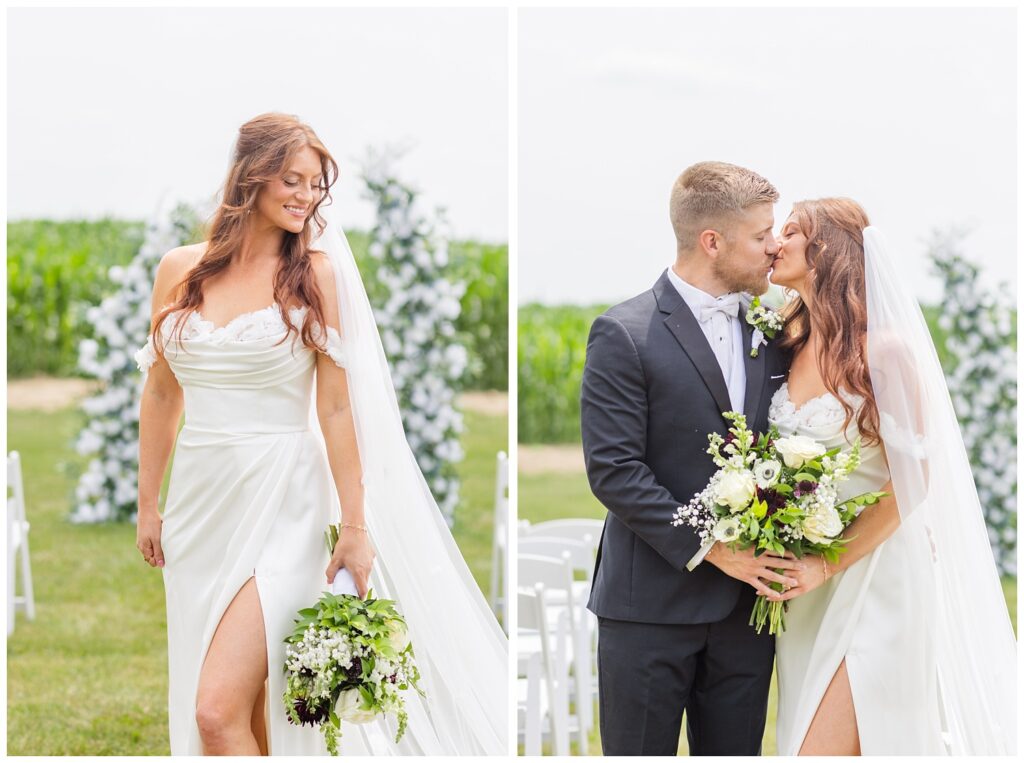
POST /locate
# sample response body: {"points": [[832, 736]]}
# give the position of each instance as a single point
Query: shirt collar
{"points": [[692, 296]]}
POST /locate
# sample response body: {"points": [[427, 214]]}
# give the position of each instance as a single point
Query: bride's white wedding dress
{"points": [[250, 495], [870, 615]]}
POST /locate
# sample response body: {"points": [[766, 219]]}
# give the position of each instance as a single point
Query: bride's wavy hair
{"points": [[834, 228], [264, 147]]}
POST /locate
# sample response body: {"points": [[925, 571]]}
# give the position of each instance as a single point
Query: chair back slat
{"points": [[580, 555]]}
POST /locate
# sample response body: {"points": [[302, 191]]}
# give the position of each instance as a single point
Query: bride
{"points": [[904, 646], [263, 335]]}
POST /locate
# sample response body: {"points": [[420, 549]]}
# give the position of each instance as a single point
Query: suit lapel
{"points": [[755, 373], [686, 330]]}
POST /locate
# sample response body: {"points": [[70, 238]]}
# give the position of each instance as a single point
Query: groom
{"points": [[661, 369]]}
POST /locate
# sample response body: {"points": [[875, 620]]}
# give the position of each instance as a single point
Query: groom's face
{"points": [[745, 260]]}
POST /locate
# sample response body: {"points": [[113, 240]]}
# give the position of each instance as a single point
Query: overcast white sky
{"points": [[110, 108], [910, 112]]}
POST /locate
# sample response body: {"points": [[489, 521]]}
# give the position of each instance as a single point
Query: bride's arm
{"points": [[873, 526], [334, 412], [868, 531], [159, 413], [895, 376]]}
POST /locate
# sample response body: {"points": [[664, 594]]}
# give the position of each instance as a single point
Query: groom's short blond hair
{"points": [[710, 195]]}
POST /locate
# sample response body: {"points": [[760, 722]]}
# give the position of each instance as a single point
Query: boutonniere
{"points": [[766, 322]]}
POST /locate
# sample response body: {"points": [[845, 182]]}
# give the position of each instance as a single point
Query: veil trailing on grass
{"points": [[931, 476], [460, 649]]}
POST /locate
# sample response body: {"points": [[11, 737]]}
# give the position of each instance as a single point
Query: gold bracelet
{"points": [[356, 527], [824, 568]]}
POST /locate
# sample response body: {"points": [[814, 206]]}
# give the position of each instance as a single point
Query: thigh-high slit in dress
{"points": [[869, 615], [250, 495]]}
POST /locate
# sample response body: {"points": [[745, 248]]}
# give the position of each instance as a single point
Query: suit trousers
{"points": [[719, 673]]}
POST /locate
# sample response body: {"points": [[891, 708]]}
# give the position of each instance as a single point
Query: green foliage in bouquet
{"points": [[348, 659]]}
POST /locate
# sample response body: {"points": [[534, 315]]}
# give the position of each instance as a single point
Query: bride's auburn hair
{"points": [[264, 147], [834, 228]]}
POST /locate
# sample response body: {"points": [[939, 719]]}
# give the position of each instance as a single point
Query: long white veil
{"points": [[460, 649], [931, 475]]}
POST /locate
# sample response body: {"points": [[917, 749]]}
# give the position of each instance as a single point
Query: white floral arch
{"points": [[417, 326], [982, 379]]}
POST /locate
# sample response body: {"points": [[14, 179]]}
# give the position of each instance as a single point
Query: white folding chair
{"points": [[587, 531], [579, 553], [536, 698], [499, 542], [580, 558], [582, 530], [17, 546], [556, 577]]}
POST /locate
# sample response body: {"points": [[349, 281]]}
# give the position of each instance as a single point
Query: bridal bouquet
{"points": [[348, 659], [777, 494]]}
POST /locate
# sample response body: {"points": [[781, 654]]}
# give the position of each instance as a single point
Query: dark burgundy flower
{"points": [[729, 438], [393, 677], [774, 499], [309, 714], [805, 486], [355, 670]]}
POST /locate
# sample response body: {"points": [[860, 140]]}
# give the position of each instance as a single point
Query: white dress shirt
{"points": [[725, 336]]}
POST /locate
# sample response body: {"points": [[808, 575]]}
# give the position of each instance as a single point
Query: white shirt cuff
{"points": [[701, 553]]}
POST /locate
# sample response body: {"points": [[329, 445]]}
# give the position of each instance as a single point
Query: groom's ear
{"points": [[709, 242]]}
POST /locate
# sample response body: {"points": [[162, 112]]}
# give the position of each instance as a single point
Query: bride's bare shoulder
{"points": [[182, 259], [174, 266], [323, 274]]}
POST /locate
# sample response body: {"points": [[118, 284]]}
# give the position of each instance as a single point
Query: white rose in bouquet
{"points": [[350, 707], [798, 449], [735, 489], [823, 525], [399, 637]]}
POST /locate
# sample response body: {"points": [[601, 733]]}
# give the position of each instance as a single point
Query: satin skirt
{"points": [[875, 615], [241, 506]]}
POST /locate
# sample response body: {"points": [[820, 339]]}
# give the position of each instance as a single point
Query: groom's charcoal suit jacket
{"points": [[652, 392]]}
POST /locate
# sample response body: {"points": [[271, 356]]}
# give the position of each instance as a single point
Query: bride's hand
{"points": [[147, 536], [353, 552], [810, 577], [758, 571]]}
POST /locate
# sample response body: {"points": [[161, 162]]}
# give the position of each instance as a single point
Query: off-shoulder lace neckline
{"points": [[251, 325], [273, 307], [254, 325], [805, 403], [821, 410]]}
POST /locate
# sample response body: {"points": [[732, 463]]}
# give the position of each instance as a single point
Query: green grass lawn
{"points": [[557, 496], [89, 676]]}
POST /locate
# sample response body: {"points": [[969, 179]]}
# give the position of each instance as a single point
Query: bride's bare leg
{"points": [[259, 720], [833, 730], [232, 678]]}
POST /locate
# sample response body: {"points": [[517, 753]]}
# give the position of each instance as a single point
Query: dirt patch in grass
{"points": [[558, 459], [47, 393], [487, 403]]}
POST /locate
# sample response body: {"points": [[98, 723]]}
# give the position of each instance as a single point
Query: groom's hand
{"points": [[743, 565]]}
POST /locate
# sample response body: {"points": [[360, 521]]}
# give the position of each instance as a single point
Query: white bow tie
{"points": [[728, 304]]}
